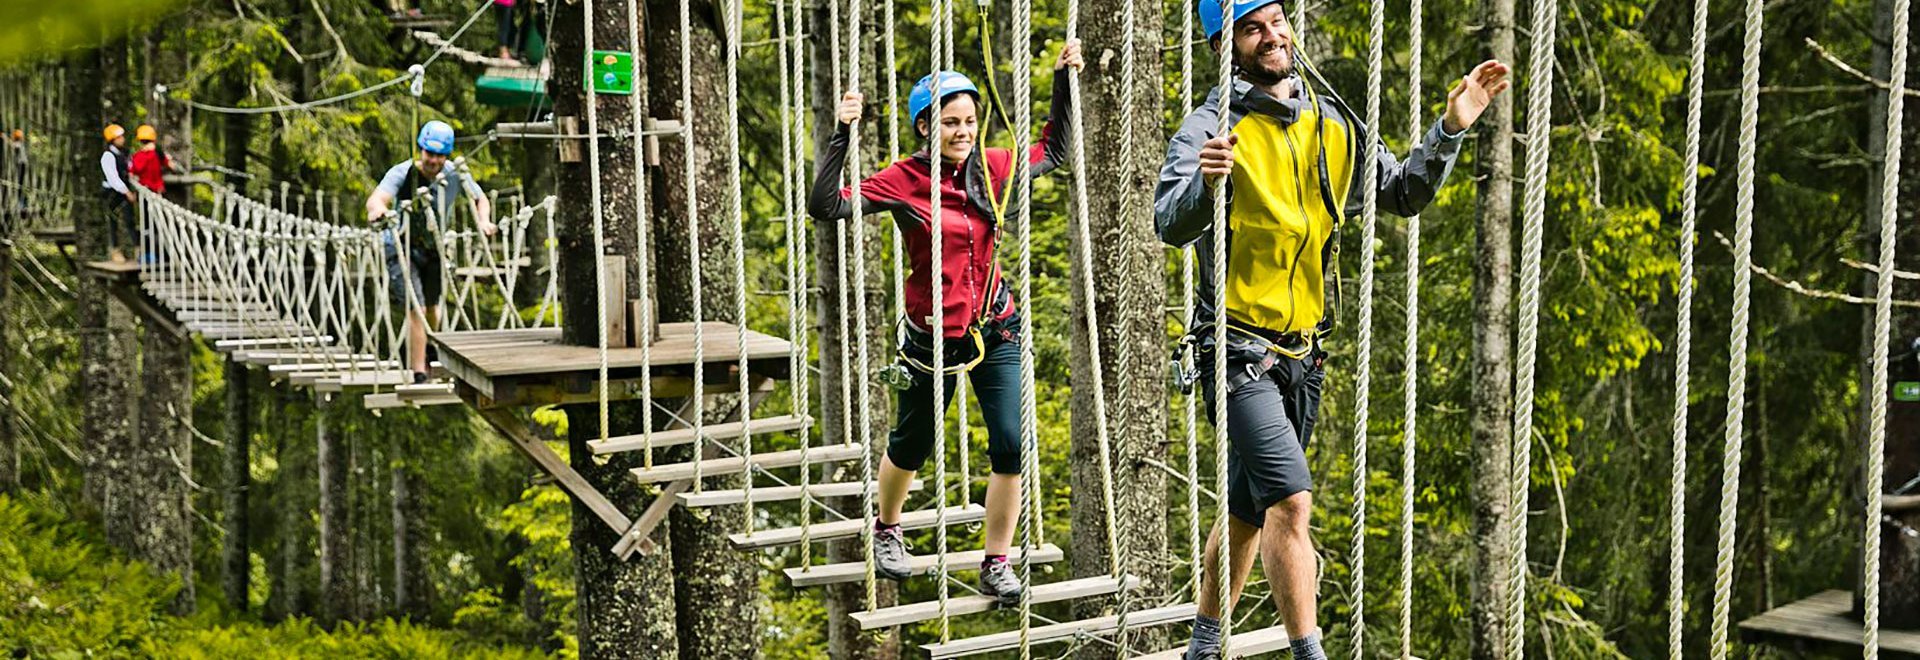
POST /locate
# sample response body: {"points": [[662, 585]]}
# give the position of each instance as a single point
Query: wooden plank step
{"points": [[336, 381], [339, 365], [723, 431], [777, 493], [423, 391], [888, 617], [840, 529], [298, 356], [737, 464], [244, 343], [1061, 631], [386, 400], [922, 564], [1243, 644]]}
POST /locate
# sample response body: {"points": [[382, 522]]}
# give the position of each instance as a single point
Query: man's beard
{"points": [[1257, 73]]}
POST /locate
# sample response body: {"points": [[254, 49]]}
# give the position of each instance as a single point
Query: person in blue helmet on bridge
{"points": [[427, 174], [1289, 164], [979, 317]]}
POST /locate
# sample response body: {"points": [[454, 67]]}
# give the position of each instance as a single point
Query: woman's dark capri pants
{"points": [[996, 385], [1270, 420]]}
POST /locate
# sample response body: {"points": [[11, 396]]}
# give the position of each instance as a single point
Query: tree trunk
{"points": [[1491, 400], [626, 609], [336, 588], [716, 586], [158, 471], [411, 591], [9, 442], [1130, 318], [107, 423], [1899, 554], [293, 512], [236, 557], [845, 639]]}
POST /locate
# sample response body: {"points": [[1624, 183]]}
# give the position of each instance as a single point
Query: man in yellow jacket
{"points": [[1289, 166]]}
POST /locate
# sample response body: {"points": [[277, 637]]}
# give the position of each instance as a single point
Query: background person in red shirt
{"points": [[149, 165]]}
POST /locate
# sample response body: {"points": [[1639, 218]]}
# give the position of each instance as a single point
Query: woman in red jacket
{"points": [[149, 165], [979, 317]]}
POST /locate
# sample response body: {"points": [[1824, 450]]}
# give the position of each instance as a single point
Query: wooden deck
{"points": [[504, 368], [1824, 623]]}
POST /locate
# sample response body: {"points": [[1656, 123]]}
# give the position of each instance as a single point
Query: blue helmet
{"points": [[436, 138], [1211, 14], [951, 83]]}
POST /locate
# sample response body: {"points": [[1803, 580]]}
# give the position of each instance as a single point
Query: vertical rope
{"points": [[1187, 266], [789, 210], [1882, 325], [859, 222], [893, 151], [1224, 567], [1083, 233], [1737, 351], [942, 31], [1539, 134], [1029, 402], [735, 33], [1364, 364], [1416, 39], [599, 220], [1683, 342], [642, 250], [699, 413]]}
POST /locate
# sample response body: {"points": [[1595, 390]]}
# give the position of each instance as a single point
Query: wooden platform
{"points": [[1060, 632], [62, 235], [1824, 623], [531, 367]]}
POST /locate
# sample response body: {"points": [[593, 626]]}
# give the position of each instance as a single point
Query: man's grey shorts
{"points": [[1270, 420], [423, 269]]}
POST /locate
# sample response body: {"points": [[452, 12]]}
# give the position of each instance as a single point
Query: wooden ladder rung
{"points": [[776, 494], [922, 564], [394, 400], [840, 529], [1061, 631], [721, 431], [1253, 642], [411, 392], [888, 617], [714, 467]]}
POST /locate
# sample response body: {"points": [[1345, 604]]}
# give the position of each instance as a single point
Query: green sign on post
{"points": [[610, 72], [1906, 391]]}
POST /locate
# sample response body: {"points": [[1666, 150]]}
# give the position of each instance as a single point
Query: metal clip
{"points": [[896, 376]]}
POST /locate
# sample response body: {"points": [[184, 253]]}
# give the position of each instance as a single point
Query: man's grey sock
{"points": [[1308, 648], [1206, 635]]}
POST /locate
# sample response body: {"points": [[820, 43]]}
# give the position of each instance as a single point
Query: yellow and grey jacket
{"points": [[1292, 184]]}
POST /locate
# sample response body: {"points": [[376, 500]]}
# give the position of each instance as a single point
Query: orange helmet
{"points": [[19, 134], [145, 133], [114, 131]]}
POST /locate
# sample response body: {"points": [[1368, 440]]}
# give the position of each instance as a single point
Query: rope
{"points": [[1411, 363], [1683, 342], [1083, 234], [1539, 134], [859, 265], [600, 229], [1364, 367], [699, 413], [1737, 350], [1882, 324], [1029, 402], [942, 30], [739, 230], [1224, 565], [643, 251], [797, 284]]}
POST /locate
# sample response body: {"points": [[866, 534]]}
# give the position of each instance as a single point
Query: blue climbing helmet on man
{"points": [[1211, 14], [952, 83], [436, 137]]}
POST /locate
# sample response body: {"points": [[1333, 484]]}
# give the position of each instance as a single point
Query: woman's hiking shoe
{"points": [[997, 579], [890, 557]]}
